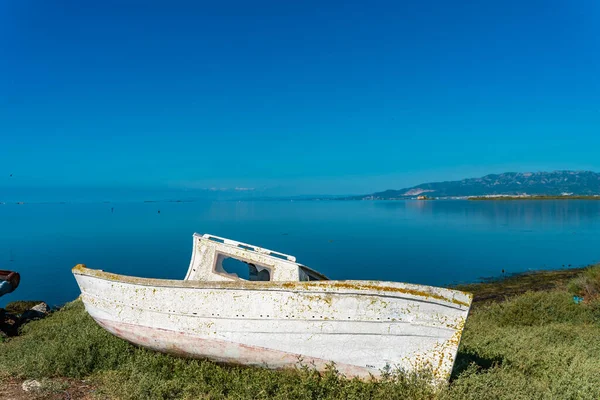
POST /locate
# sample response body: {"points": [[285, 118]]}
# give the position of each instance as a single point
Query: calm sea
{"points": [[427, 242]]}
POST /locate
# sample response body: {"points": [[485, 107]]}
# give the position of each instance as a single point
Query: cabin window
{"points": [[242, 269], [258, 273], [308, 275]]}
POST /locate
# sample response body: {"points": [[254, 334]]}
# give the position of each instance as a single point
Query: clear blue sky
{"points": [[311, 97]]}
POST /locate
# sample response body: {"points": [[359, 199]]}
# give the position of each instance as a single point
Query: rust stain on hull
{"points": [[363, 327], [358, 286]]}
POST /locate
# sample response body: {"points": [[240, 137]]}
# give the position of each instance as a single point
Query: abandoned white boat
{"points": [[284, 314]]}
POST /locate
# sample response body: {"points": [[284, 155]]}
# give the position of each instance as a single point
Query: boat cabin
{"points": [[218, 259]]}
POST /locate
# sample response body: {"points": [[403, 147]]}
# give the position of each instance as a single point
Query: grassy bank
{"points": [[525, 339]]}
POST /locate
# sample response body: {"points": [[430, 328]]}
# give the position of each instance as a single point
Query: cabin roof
{"points": [[246, 252], [246, 246]]}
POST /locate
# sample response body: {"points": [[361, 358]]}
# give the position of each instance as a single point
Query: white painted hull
{"points": [[361, 326]]}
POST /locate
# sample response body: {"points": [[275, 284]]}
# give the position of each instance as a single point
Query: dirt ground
{"points": [[497, 290], [57, 389]]}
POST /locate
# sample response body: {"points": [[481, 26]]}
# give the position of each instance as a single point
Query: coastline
{"points": [[497, 198]]}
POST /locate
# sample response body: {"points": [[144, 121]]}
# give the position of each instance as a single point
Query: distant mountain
{"points": [[509, 183]]}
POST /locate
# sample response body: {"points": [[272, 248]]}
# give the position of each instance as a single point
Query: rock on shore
{"points": [[10, 322]]}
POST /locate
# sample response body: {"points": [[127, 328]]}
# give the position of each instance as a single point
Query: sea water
{"points": [[426, 242]]}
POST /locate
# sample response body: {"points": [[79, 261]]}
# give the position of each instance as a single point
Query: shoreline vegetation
{"points": [[531, 335], [590, 197]]}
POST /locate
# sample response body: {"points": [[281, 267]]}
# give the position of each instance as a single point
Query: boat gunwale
{"points": [[415, 291]]}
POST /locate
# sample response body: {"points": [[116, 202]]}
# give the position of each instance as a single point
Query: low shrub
{"points": [[587, 284]]}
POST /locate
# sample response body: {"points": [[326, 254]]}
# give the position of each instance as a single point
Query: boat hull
{"points": [[363, 327], [186, 345]]}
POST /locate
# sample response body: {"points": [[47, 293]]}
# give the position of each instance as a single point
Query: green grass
{"points": [[533, 345], [587, 285]]}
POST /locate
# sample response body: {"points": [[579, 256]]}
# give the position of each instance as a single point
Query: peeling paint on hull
{"points": [[185, 345], [361, 326], [361, 329]]}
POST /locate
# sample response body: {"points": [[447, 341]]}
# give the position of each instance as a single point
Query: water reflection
{"points": [[574, 213]]}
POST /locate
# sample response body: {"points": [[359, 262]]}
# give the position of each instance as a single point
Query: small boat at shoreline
{"points": [[284, 314]]}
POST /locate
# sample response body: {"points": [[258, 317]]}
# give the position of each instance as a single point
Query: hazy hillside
{"points": [[509, 183]]}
